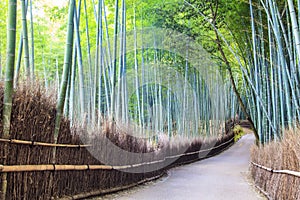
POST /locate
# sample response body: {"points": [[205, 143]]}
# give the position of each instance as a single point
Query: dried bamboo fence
{"points": [[36, 174], [275, 167], [278, 174], [277, 171], [77, 173]]}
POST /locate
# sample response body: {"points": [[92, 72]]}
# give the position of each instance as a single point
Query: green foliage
{"points": [[238, 132], [230, 21], [50, 26], [3, 14]]}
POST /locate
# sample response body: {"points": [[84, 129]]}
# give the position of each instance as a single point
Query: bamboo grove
{"points": [[266, 56], [273, 78], [131, 79], [126, 72], [270, 67], [118, 69]]}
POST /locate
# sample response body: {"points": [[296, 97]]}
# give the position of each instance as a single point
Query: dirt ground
{"points": [[223, 177]]}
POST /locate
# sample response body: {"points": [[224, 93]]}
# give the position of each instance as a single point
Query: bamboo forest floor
{"points": [[225, 177]]}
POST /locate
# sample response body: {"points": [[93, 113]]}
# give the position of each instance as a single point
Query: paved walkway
{"points": [[223, 177]]}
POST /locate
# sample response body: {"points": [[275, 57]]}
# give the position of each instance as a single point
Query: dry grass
{"points": [[278, 155]]}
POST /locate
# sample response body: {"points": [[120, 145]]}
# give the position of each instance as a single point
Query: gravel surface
{"points": [[223, 177]]}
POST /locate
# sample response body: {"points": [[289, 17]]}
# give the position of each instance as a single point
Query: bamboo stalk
{"points": [[25, 38], [282, 171], [92, 106], [33, 143], [32, 44], [295, 26], [62, 92], [67, 65], [114, 68], [8, 87], [80, 64], [31, 168]]}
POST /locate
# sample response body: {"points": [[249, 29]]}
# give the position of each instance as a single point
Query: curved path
{"points": [[220, 177]]}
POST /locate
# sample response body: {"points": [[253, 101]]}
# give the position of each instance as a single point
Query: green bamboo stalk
{"points": [[66, 69], [72, 86], [25, 39], [136, 72], [101, 71], [272, 82], [32, 44], [20, 50], [106, 82], [258, 110], [119, 82], [142, 88], [80, 66], [107, 42], [296, 31], [68, 94], [8, 87], [92, 107], [98, 62], [57, 76], [122, 73], [114, 61], [298, 7]]}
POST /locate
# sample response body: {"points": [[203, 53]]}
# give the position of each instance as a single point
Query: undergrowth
{"points": [[283, 155], [238, 132]]}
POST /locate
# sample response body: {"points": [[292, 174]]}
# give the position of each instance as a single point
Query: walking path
{"points": [[221, 177]]}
